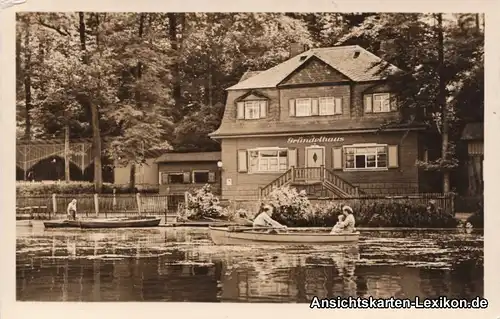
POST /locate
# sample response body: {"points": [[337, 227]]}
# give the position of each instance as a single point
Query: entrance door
{"points": [[315, 158]]}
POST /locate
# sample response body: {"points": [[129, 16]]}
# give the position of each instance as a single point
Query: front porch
{"points": [[316, 181]]}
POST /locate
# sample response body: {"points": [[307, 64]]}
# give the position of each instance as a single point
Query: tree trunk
{"points": [[27, 81], [96, 133], [138, 75], [174, 19], [66, 153], [442, 104], [132, 177]]}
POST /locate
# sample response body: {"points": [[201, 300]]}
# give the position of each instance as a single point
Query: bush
{"points": [[34, 189], [290, 206], [477, 219], [203, 204], [294, 210]]}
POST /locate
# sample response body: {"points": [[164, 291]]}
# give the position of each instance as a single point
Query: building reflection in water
{"points": [[182, 265], [280, 276]]}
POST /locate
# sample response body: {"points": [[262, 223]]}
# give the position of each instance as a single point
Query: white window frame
{"points": [[383, 102], [375, 153], [321, 101], [174, 173], [200, 171], [252, 169], [309, 108], [252, 105]]}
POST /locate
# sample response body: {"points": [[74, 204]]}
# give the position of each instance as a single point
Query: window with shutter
{"points": [[368, 104], [291, 107], [164, 178], [186, 177], [211, 177], [314, 107], [338, 105], [292, 157], [365, 157], [303, 107], [379, 103], [263, 109], [393, 156], [240, 110], [394, 102], [242, 161], [337, 158], [326, 106], [201, 177], [173, 178], [267, 160], [252, 109]]}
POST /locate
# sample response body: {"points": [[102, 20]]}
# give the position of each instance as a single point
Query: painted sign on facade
{"points": [[313, 139]]}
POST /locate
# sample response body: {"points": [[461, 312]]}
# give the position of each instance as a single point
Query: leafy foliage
{"points": [[203, 204], [294, 210], [158, 79]]}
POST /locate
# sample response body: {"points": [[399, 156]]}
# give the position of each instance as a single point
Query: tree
{"points": [[435, 59]]}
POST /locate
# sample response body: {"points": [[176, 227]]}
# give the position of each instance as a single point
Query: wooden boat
{"points": [[133, 222], [65, 223], [246, 235]]}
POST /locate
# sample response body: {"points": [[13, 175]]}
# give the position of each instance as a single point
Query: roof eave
{"points": [[345, 131]]}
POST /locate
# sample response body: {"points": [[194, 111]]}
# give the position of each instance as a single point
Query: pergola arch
{"points": [[31, 152]]}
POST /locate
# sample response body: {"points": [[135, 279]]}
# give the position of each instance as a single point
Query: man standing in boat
{"points": [[72, 210], [264, 219]]}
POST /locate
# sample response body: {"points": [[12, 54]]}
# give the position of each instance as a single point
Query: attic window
{"points": [[302, 58], [356, 53]]}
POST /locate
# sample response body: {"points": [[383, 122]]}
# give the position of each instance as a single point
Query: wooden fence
{"points": [[98, 205]]}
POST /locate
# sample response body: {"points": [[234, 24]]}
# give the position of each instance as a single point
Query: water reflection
{"points": [[168, 264]]}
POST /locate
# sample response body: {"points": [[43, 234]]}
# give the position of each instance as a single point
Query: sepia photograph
{"points": [[248, 157]]}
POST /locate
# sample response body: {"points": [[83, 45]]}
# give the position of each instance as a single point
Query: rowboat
{"points": [[133, 222], [228, 236], [61, 224]]}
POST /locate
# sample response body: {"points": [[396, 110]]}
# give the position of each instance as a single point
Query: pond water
{"points": [[182, 264]]}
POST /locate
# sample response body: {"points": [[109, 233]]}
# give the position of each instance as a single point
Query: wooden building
{"points": [[181, 172], [314, 121], [473, 135]]}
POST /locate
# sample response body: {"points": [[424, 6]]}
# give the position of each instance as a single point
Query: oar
{"points": [[242, 229]]}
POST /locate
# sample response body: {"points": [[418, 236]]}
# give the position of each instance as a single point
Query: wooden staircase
{"points": [[316, 181]]}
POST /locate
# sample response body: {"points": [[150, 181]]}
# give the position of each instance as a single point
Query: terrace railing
{"points": [[310, 175]]}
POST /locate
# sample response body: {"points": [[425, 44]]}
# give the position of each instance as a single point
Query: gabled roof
{"points": [[189, 157], [249, 74], [364, 66], [473, 131]]}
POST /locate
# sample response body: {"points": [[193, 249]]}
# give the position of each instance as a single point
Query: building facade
{"points": [[315, 121], [182, 172]]}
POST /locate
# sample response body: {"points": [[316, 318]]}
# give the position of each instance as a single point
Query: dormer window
{"points": [[379, 103], [323, 106], [252, 109]]}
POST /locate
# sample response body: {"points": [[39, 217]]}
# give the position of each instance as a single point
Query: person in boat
{"points": [[72, 210], [349, 222], [264, 219], [242, 219], [339, 226]]}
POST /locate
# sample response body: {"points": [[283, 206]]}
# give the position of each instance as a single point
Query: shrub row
{"points": [[35, 189], [294, 209], [477, 219]]}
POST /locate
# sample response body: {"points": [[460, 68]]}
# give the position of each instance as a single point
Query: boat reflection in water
{"points": [[183, 265]]}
